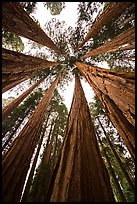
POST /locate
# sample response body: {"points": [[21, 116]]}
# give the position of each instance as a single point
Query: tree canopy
{"points": [[51, 153]]}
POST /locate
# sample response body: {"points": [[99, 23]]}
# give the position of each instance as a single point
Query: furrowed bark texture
{"points": [[128, 36], [9, 108], [16, 65], [113, 11], [17, 160], [81, 173], [116, 91], [16, 20]]}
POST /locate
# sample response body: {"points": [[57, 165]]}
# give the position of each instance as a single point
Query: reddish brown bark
{"points": [[16, 20], [29, 181], [113, 11], [128, 36], [116, 91], [16, 65], [80, 174], [9, 108], [119, 86], [42, 177], [127, 47], [16, 162]]}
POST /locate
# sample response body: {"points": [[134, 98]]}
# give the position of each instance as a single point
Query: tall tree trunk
{"points": [[29, 181], [14, 83], [112, 173], [17, 160], [118, 158], [42, 177], [9, 108], [128, 36], [16, 20], [16, 65], [54, 156], [119, 86], [80, 174], [127, 47], [113, 11], [49, 146], [115, 90]]}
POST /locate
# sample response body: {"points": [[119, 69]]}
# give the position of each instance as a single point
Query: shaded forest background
{"points": [[72, 52]]}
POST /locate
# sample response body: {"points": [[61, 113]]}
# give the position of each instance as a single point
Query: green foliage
{"points": [[55, 7], [43, 172], [12, 41], [10, 123], [29, 6], [118, 144], [67, 39], [60, 37]]}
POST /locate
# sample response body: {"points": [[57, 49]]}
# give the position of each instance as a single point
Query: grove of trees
{"points": [[86, 154]]}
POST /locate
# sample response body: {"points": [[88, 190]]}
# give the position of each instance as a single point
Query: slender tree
{"points": [[127, 20], [80, 174], [17, 160], [11, 133], [112, 172], [10, 124], [112, 11], [16, 66], [39, 185], [29, 181], [118, 147], [118, 158], [51, 151], [9, 108], [115, 90], [16, 20], [126, 37]]}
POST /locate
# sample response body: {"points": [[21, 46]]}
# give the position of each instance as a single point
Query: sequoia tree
{"points": [[16, 117], [16, 161], [80, 174], [114, 44], [54, 133], [72, 168], [9, 108], [115, 90], [16, 66], [112, 11], [16, 20], [41, 180], [30, 177]]}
